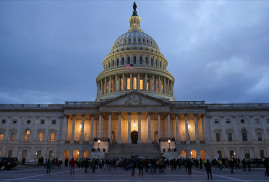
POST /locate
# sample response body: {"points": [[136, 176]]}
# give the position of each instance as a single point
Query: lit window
{"points": [[52, 136], [121, 83], [128, 84], [141, 84], [1, 137], [12, 137], [111, 86], [135, 83], [27, 135], [157, 82], [148, 84], [162, 86], [40, 137], [107, 87]]}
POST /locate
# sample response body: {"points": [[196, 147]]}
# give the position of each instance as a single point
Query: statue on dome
{"points": [[134, 6]]}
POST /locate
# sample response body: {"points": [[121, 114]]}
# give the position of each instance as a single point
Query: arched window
{"points": [[244, 135]]}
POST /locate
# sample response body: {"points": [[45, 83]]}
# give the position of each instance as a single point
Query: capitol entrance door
{"points": [[134, 137]]}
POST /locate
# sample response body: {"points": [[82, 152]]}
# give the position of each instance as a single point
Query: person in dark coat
{"points": [[189, 166], [231, 164], [208, 166], [48, 165]]}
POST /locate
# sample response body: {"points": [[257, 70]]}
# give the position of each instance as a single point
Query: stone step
{"points": [[128, 150]]}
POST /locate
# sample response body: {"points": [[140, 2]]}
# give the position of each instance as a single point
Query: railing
{"points": [[166, 139], [188, 102], [245, 105], [79, 103], [30, 105]]}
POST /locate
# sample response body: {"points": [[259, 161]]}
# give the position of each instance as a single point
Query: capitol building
{"points": [[134, 113]]}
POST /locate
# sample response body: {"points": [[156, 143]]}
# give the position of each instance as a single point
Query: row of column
{"points": [[99, 132], [119, 83], [135, 60]]}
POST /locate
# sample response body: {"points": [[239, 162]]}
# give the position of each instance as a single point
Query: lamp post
{"points": [[169, 141], [98, 146]]}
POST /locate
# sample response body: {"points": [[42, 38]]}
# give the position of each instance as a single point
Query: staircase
{"points": [[149, 151]]}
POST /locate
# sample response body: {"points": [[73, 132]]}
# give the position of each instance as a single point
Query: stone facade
{"points": [[134, 105]]}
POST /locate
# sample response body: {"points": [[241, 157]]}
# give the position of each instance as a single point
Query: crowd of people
{"points": [[152, 166]]}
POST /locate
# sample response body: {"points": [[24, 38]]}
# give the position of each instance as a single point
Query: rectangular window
{"points": [[141, 60], [128, 84], [268, 121], [42, 121], [50, 154], [1, 137], [247, 155], [24, 154], [3, 121], [9, 155], [257, 121], [148, 84], [40, 137], [162, 86], [231, 153], [121, 83], [157, 82], [122, 61], [220, 153], [14, 121], [12, 137], [135, 83], [230, 137], [38, 153], [53, 122], [228, 121], [134, 60], [141, 83], [262, 153], [216, 121], [26, 136], [259, 135], [128, 60], [217, 137], [52, 137], [107, 87]]}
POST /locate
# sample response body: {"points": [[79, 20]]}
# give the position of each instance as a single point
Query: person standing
{"points": [[72, 164], [231, 164], [48, 165], [208, 169]]}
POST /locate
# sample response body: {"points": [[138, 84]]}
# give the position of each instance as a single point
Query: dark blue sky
{"points": [[52, 51]]}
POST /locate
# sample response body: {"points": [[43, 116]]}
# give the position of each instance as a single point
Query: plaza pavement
{"points": [[38, 173]]}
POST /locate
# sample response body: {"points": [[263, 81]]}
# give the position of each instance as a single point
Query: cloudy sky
{"points": [[52, 51]]}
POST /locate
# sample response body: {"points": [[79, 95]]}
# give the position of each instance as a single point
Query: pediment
{"points": [[134, 99]]}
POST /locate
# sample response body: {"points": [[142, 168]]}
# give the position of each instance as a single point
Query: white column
{"points": [[73, 128], [196, 129], [149, 129], [169, 125], [92, 119], [159, 127], [145, 82], [119, 129], [203, 126], [101, 88], [116, 84], [131, 81], [160, 88], [177, 130], [66, 127], [109, 87], [82, 130], [168, 86], [109, 126], [98, 89], [164, 85], [129, 128], [138, 82], [186, 128], [100, 126], [139, 127], [105, 88]]}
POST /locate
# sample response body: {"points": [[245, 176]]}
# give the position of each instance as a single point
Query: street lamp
{"points": [[169, 141], [98, 145]]}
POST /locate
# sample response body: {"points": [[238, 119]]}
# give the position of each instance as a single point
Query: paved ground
{"points": [[34, 173]]}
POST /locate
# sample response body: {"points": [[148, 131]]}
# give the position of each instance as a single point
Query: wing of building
{"points": [[134, 114]]}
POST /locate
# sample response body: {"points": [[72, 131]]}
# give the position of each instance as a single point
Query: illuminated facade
{"points": [[136, 110]]}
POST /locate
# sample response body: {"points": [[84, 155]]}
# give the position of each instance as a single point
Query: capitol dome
{"points": [[135, 63]]}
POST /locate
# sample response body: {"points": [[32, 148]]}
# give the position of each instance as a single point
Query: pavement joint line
{"points": [[218, 175]]}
